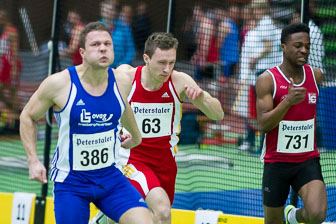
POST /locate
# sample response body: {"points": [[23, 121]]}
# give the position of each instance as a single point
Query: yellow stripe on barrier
{"points": [[6, 207], [179, 216], [237, 219]]}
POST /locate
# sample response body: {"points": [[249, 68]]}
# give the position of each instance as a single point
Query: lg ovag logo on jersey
{"points": [[93, 119]]}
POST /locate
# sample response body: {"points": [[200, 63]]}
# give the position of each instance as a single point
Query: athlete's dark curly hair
{"points": [[293, 28]]}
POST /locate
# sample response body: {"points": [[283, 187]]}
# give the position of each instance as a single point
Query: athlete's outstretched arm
{"points": [[209, 105], [36, 107]]}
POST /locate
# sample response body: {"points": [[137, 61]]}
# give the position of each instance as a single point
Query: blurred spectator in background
{"points": [[109, 12], [266, 37], [141, 27], [228, 36], [244, 104], [118, 23], [317, 51], [313, 6], [206, 54], [10, 69], [73, 28], [248, 22], [126, 15], [269, 33], [190, 30]]}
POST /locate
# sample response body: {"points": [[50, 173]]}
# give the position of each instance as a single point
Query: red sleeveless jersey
{"points": [[293, 140], [158, 115]]}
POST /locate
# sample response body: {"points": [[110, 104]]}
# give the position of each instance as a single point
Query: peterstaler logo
{"points": [[312, 98], [143, 110], [297, 127], [88, 117]]}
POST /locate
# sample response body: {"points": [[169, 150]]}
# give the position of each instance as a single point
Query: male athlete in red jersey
{"points": [[156, 95], [286, 109]]}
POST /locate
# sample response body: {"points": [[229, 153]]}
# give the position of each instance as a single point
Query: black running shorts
{"points": [[278, 177]]}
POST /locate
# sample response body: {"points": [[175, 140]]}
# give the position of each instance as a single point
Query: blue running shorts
{"points": [[112, 194]]}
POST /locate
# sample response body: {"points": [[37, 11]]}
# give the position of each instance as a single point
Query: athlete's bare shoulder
{"points": [[126, 70], [318, 75], [180, 80], [183, 78], [57, 82], [264, 83], [54, 90], [124, 75]]}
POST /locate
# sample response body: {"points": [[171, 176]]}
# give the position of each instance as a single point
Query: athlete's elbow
{"points": [[216, 116], [138, 141], [263, 127], [220, 116], [24, 117]]}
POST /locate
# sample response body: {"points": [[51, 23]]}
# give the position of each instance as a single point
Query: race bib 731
{"points": [[296, 136]]}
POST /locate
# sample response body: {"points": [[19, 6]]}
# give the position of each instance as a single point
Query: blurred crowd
{"points": [[227, 48], [231, 46]]}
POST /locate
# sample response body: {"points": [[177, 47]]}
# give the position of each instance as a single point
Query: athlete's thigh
{"points": [[167, 178], [120, 198], [275, 184], [314, 196], [306, 172], [80, 206]]}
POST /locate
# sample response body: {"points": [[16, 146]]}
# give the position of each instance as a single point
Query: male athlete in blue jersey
{"points": [[89, 109]]}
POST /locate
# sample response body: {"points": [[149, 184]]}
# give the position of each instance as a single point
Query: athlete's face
{"points": [[98, 49], [161, 64], [296, 48]]}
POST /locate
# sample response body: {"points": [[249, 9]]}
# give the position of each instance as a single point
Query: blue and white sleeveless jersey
{"points": [[89, 129]]}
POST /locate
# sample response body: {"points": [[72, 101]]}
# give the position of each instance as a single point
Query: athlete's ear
{"points": [[81, 52], [146, 58], [283, 47]]}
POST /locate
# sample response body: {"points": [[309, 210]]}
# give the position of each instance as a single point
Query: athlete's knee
{"points": [[162, 213], [317, 216]]}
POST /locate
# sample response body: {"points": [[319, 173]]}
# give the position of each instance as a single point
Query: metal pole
{"points": [[169, 15], [305, 15], [53, 61], [301, 14], [53, 56]]}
